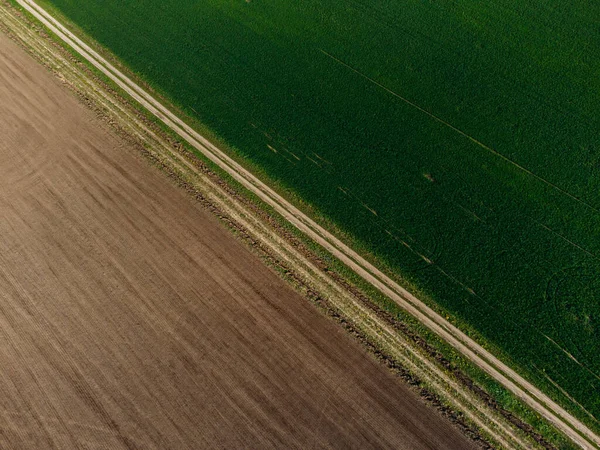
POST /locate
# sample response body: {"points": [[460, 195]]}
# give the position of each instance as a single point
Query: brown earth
{"points": [[130, 318], [440, 325]]}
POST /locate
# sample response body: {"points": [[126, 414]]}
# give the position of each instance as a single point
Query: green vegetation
{"points": [[456, 141]]}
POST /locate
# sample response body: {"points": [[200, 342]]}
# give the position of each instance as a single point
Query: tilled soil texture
{"points": [[130, 318]]}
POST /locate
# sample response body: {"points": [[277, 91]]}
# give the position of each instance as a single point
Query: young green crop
{"points": [[459, 143]]}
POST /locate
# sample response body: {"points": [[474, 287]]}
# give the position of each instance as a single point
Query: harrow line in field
{"points": [[571, 426], [577, 246], [557, 386], [462, 133], [570, 356]]}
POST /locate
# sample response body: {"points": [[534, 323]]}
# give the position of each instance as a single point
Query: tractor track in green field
{"points": [[537, 400], [468, 136]]}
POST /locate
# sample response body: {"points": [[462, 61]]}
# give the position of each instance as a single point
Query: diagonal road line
{"points": [[537, 400]]}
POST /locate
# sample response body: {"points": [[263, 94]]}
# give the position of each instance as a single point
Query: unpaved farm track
{"points": [[131, 318], [536, 399]]}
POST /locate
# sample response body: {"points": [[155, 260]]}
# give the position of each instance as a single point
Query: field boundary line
{"points": [[537, 400], [337, 299]]}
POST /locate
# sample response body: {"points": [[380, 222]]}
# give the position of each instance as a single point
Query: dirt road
{"points": [[536, 399], [130, 318]]}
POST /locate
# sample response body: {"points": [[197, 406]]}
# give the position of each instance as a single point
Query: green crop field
{"points": [[458, 141]]}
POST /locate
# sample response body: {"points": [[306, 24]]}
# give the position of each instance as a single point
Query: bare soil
{"points": [[131, 318]]}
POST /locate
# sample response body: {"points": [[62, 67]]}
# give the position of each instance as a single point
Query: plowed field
{"points": [[130, 318]]}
